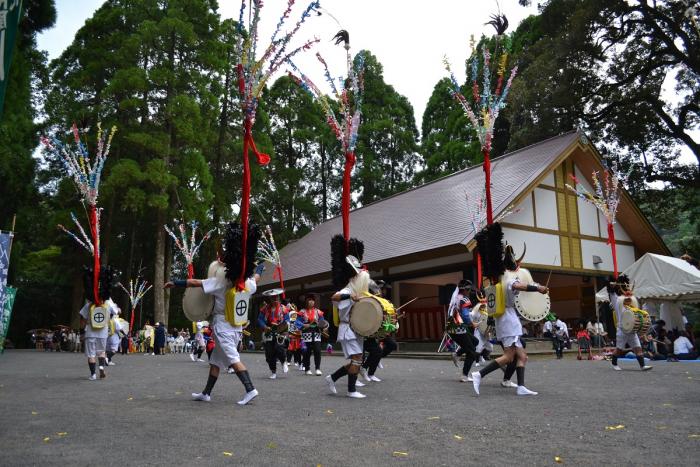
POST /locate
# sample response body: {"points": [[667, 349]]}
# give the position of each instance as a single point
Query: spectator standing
{"points": [[159, 339], [561, 336]]}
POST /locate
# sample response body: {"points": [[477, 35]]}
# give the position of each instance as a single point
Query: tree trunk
{"points": [[168, 268], [160, 312], [159, 269]]}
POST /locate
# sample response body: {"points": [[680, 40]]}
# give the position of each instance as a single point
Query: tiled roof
{"points": [[430, 216]]}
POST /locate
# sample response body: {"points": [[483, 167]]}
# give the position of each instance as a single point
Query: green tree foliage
{"points": [[292, 186], [602, 66], [387, 143], [448, 142], [164, 73], [148, 67], [26, 80]]}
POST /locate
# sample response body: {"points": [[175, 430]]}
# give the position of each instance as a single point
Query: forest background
{"points": [[163, 72]]}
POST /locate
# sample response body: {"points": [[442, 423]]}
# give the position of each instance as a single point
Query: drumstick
{"points": [[407, 303], [550, 271]]}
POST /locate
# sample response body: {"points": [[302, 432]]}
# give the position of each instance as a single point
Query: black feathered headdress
{"points": [[107, 282], [341, 271], [499, 23], [342, 36], [489, 244], [233, 250]]}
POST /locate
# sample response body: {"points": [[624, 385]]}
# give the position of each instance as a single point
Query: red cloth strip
{"points": [[611, 242], [345, 206], [92, 213], [487, 173], [263, 159]]}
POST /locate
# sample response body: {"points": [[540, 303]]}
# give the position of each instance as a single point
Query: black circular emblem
{"points": [[491, 300], [99, 317], [241, 308]]}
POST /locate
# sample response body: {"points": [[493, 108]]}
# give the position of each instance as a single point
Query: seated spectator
{"points": [[650, 349], [597, 333], [683, 349], [689, 332], [663, 344], [584, 340]]}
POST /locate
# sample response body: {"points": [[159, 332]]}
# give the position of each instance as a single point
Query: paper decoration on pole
{"points": [[189, 249], [348, 94], [484, 105], [253, 73], [267, 251], [84, 239], [86, 174], [606, 198], [137, 289]]}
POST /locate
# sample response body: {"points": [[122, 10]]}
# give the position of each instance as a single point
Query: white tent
{"points": [[665, 281]]}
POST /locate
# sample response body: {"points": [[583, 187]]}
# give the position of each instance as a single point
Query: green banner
{"points": [[10, 16], [5, 313]]}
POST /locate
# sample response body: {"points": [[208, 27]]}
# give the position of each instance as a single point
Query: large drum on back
{"points": [[635, 320], [369, 314], [533, 306], [196, 304]]}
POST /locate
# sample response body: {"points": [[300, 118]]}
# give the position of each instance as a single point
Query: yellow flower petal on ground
{"points": [[433, 418], [35, 413], [614, 427], [47, 439], [226, 453], [458, 437], [399, 454], [558, 459], [62, 433]]}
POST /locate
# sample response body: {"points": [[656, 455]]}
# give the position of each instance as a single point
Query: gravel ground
{"points": [[420, 414]]}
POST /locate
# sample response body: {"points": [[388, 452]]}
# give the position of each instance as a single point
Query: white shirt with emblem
{"points": [[103, 332], [217, 288]]}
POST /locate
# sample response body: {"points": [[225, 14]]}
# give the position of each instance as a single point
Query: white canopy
{"points": [[662, 278]]}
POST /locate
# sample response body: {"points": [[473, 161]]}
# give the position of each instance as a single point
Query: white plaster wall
{"points": [[525, 215], [587, 218], [549, 179], [620, 233], [625, 255], [546, 205], [541, 248]]}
